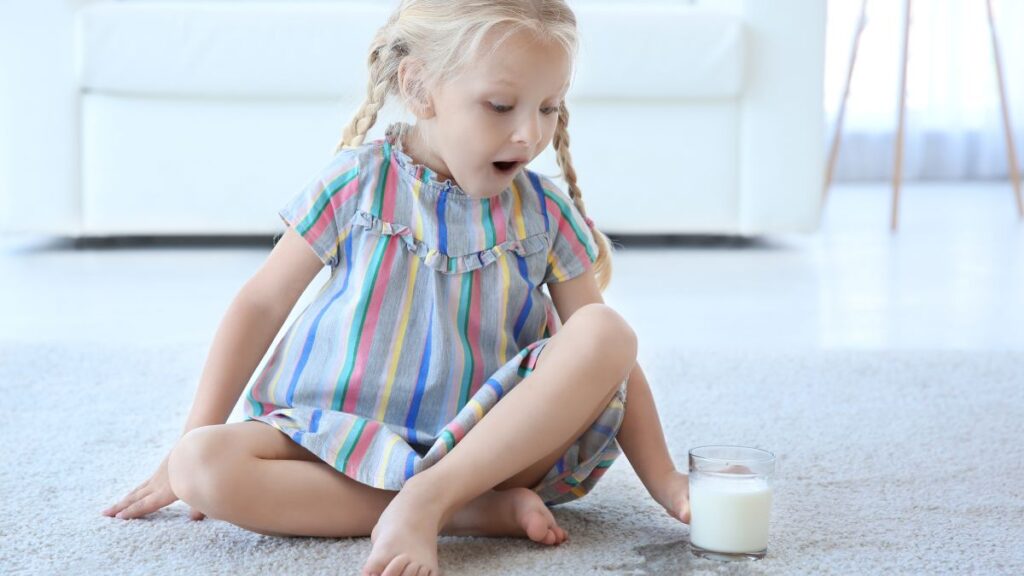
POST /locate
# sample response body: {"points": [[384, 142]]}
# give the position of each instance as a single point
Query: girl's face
{"points": [[489, 122]]}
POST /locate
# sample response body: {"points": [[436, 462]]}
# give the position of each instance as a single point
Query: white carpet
{"points": [[909, 462]]}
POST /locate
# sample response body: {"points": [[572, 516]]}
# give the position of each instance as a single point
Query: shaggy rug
{"points": [[907, 462]]}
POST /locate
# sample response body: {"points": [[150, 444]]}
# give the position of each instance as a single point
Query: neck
{"points": [[416, 146]]}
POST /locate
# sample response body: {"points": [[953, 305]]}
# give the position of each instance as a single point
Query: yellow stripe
{"points": [[396, 351], [416, 208], [342, 236], [387, 457], [477, 408], [555, 268], [518, 209], [579, 491]]}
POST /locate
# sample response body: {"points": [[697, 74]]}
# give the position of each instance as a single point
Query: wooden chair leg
{"points": [[1011, 151], [837, 133], [898, 164]]}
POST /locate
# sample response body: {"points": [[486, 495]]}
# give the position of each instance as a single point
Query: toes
{"points": [[397, 565], [537, 528], [415, 569], [373, 567]]}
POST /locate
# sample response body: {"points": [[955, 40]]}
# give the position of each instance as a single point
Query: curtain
{"points": [[953, 123]]}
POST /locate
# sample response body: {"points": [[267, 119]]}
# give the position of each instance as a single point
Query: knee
{"points": [[199, 465], [607, 335]]}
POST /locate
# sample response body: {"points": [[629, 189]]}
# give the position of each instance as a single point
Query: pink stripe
{"points": [[390, 191], [339, 199], [370, 327], [500, 226], [458, 432], [566, 231], [369, 433]]}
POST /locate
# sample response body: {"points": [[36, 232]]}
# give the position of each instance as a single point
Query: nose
{"points": [[528, 130]]}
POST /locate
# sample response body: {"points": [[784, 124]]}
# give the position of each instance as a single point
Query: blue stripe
{"points": [[421, 382], [314, 424], [540, 196], [521, 320], [606, 430], [497, 387], [308, 346], [442, 230], [409, 461]]}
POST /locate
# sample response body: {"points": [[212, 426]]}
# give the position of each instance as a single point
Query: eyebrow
{"points": [[506, 82]]}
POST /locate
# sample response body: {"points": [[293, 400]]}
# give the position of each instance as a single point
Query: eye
{"points": [[549, 110], [500, 109]]}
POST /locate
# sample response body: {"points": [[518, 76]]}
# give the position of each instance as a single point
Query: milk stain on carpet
{"points": [[675, 558]]}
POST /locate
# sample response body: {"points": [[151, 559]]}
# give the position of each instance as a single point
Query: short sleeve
{"points": [[573, 249], [322, 210]]}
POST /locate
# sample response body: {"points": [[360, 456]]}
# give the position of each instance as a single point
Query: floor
{"points": [[951, 278]]}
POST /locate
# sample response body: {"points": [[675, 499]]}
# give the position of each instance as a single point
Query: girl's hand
{"points": [[150, 496], [673, 493]]}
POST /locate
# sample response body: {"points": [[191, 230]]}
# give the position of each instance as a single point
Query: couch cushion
{"points": [[318, 49]]}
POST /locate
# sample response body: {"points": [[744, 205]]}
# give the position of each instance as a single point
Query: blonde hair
{"points": [[442, 37]]}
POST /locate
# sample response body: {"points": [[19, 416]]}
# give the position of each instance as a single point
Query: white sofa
{"points": [[189, 117]]}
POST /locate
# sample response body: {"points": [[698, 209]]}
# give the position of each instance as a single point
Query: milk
{"points": [[729, 514]]}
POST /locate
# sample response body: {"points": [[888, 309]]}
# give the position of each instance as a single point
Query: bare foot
{"points": [[514, 512], [405, 536]]}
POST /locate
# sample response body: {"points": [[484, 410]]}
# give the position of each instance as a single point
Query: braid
{"points": [[383, 64], [603, 264]]}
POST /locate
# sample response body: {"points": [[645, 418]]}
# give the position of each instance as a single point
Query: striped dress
{"points": [[436, 307]]}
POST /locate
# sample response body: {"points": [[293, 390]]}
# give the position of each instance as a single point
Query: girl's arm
{"points": [[247, 330], [643, 440], [249, 326]]}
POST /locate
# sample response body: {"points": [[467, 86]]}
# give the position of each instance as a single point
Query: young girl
{"points": [[433, 386]]}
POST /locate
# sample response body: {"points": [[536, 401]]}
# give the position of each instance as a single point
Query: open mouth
{"points": [[506, 167]]}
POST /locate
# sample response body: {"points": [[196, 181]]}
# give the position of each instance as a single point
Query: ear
{"points": [[419, 103]]}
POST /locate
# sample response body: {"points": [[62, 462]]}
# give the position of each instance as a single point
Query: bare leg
{"points": [[586, 360], [254, 476]]}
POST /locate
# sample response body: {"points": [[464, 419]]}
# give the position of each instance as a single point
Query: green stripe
{"points": [[449, 440], [567, 215], [350, 445], [571, 481], [488, 222], [605, 464], [324, 199], [467, 376], [364, 304]]}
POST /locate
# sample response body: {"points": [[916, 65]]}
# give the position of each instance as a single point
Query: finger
{"points": [[144, 506], [125, 502], [140, 491]]}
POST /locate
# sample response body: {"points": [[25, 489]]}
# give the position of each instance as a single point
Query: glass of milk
{"points": [[730, 502]]}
